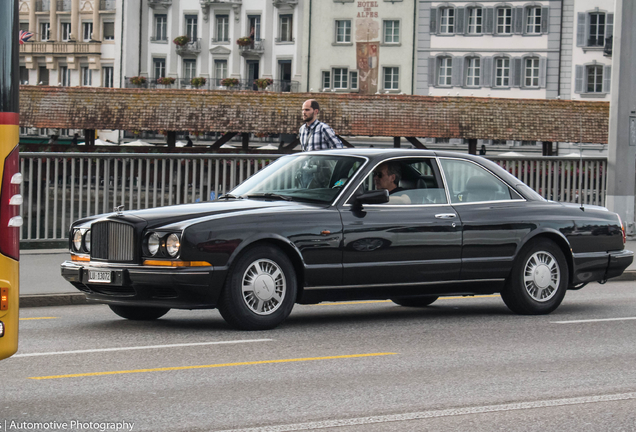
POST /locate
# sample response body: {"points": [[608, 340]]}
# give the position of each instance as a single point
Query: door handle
{"points": [[445, 216]]}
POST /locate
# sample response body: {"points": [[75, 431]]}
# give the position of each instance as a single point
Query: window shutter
{"points": [[607, 79], [432, 63], [516, 69], [489, 26], [486, 72], [609, 25], [433, 20], [459, 20], [543, 72], [578, 80], [458, 67], [580, 29], [518, 20], [545, 20]]}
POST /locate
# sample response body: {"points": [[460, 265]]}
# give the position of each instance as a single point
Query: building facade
{"points": [[73, 42], [359, 46], [217, 40]]}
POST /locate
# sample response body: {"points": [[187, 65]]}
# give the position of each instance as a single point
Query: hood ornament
{"points": [[119, 210]]}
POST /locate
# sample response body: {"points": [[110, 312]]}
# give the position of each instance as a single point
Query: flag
{"points": [[25, 36]]}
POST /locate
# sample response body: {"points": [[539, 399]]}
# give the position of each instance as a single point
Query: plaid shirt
{"points": [[319, 136]]}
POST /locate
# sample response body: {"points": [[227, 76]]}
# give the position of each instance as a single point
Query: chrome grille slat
{"points": [[112, 241]]}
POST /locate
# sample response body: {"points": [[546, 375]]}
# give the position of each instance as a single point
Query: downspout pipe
{"points": [[121, 53], [141, 3], [560, 53], [309, 48], [413, 72]]}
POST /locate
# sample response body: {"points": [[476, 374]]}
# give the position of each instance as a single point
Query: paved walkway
{"points": [[41, 283]]}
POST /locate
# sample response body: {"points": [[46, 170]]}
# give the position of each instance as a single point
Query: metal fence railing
{"points": [[59, 188]]}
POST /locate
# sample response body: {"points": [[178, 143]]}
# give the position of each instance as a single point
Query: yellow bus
{"points": [[10, 198]]}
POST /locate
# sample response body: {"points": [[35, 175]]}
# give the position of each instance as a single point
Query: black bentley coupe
{"points": [[323, 226]]}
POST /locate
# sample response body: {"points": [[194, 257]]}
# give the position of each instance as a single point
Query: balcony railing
{"points": [[607, 50], [279, 3], [63, 5], [257, 47], [159, 3], [42, 5], [278, 86], [192, 47], [61, 48], [105, 5], [213, 2]]}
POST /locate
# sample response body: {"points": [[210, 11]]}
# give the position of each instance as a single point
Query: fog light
{"points": [[1, 329]]}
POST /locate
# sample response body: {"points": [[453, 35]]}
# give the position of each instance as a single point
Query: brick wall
{"points": [[348, 114]]}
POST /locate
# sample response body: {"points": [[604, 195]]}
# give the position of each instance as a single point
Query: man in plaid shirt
{"points": [[314, 134]]}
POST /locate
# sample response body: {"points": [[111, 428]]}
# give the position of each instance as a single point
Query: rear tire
{"points": [[420, 301], [260, 290], [538, 281], [137, 313]]}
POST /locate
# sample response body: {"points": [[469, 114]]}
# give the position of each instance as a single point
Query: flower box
{"points": [[198, 82], [244, 41], [181, 40], [138, 80], [165, 80], [229, 82], [263, 82]]}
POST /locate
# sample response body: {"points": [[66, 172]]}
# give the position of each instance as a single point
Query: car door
{"points": [[488, 209], [402, 244]]}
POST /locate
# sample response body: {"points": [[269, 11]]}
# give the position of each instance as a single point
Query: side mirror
{"points": [[372, 197]]}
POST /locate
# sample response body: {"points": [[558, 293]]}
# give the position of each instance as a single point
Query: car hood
{"points": [[161, 216]]}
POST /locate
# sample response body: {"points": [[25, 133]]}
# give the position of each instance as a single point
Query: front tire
{"points": [[419, 301], [538, 281], [260, 290], [137, 313]]}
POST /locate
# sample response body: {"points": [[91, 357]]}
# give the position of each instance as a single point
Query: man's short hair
{"points": [[314, 105], [394, 168]]}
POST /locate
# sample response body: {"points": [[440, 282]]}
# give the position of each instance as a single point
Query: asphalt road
{"points": [[462, 364]]}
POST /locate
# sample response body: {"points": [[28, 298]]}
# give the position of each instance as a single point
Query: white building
{"points": [[490, 48], [73, 42], [591, 61], [271, 46], [359, 46]]}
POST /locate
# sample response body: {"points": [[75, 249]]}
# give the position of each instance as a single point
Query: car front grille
{"points": [[112, 241]]}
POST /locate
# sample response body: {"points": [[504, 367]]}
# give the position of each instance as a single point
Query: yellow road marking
{"points": [[389, 301], [36, 318], [213, 366]]}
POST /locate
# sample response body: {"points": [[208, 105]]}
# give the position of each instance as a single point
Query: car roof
{"points": [[393, 152]]}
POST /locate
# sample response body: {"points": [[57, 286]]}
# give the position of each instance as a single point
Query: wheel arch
{"points": [[288, 248], [557, 238]]}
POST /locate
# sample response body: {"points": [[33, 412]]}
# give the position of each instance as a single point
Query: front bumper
{"points": [[134, 285]]}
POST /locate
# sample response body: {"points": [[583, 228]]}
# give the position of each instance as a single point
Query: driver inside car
{"points": [[387, 176]]}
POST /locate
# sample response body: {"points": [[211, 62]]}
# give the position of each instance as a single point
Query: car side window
{"points": [[418, 181], [468, 182]]}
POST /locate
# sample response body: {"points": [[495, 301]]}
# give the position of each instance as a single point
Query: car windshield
{"points": [[306, 177]]}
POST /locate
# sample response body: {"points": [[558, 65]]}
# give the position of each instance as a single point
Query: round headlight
{"points": [[153, 244], [87, 241], [77, 240], [172, 245]]}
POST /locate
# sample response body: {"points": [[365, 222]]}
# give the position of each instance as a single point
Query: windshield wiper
{"points": [[271, 195], [230, 196]]}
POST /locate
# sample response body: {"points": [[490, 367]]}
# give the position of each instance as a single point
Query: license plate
{"points": [[99, 276]]}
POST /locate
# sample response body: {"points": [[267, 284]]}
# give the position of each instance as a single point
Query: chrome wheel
{"points": [[542, 276], [263, 286]]}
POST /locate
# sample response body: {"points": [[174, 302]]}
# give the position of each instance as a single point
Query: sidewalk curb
{"points": [[68, 299], [41, 300]]}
